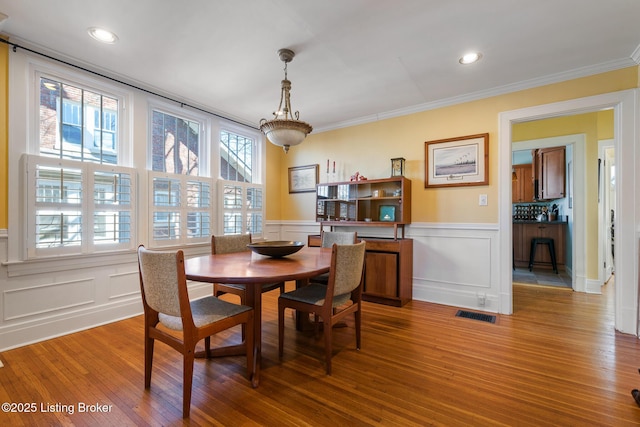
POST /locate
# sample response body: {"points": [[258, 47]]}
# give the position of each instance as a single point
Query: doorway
{"points": [[625, 144], [571, 207]]}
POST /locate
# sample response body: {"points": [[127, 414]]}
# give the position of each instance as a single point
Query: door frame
{"points": [[604, 221], [624, 105]]}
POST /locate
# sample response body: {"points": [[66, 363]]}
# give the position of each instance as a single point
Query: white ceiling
{"points": [[356, 60]]}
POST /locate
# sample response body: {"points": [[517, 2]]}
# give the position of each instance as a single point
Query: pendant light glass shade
{"points": [[285, 130]]}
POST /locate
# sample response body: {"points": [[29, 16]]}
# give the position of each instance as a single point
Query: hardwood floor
{"points": [[555, 361]]}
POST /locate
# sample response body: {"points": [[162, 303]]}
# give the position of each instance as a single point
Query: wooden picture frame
{"points": [[303, 179], [456, 162]]}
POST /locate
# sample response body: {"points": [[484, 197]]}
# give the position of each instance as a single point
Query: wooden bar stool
{"points": [[552, 251]]}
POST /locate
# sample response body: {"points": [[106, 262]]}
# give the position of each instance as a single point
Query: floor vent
{"points": [[476, 316]]}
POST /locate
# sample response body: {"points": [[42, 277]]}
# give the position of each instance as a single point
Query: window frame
{"points": [[87, 206], [258, 178], [38, 70], [203, 177], [25, 72], [182, 209], [205, 132]]}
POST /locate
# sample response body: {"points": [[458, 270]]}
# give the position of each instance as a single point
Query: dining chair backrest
{"points": [[160, 283], [339, 237], [347, 263], [230, 244]]}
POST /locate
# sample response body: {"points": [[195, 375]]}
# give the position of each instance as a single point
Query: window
{"points": [[236, 157], [77, 207], [73, 160], [241, 192], [79, 200], [77, 123], [180, 198]]}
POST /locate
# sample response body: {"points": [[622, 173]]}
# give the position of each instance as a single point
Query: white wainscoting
{"points": [[44, 299], [456, 264], [453, 264]]}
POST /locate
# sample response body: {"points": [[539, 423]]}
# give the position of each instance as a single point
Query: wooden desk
{"points": [[253, 270]]}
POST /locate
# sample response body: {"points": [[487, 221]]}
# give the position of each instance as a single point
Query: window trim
{"points": [[39, 69], [183, 209], [259, 158], [244, 210], [87, 206], [205, 132]]}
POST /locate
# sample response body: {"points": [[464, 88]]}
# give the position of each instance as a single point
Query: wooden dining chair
{"points": [[345, 284], [165, 299], [328, 238], [231, 244]]}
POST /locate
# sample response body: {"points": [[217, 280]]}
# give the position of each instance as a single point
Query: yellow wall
{"points": [[273, 175], [368, 149]]}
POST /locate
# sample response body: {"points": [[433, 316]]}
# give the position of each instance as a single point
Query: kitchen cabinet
{"points": [[367, 203], [388, 275], [522, 184], [524, 231], [549, 173]]}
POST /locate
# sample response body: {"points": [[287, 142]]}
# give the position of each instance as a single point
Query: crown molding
{"points": [[500, 90], [635, 56]]}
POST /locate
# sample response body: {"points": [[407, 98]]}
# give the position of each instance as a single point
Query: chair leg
{"points": [[280, 330], [187, 381], [243, 301], [250, 349], [316, 326], [148, 361], [327, 342], [207, 347], [358, 316]]}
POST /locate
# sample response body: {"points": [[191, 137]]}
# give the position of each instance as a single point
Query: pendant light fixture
{"points": [[285, 130]]}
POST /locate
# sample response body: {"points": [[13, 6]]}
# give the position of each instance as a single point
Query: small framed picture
{"points": [[387, 213], [303, 179]]}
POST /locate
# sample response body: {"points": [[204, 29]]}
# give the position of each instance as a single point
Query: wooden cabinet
{"points": [[375, 202], [518, 252], [388, 276], [522, 183], [549, 173], [525, 231]]}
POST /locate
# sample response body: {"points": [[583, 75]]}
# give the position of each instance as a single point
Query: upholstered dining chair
{"points": [[345, 284], [328, 238], [163, 286], [231, 244]]}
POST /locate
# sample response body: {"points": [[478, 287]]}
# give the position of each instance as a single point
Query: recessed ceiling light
{"points": [[470, 58], [102, 35]]}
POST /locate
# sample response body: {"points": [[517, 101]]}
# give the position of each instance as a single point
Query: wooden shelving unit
{"points": [[369, 203], [374, 203]]}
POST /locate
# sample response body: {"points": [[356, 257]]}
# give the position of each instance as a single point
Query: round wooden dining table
{"points": [[253, 270]]}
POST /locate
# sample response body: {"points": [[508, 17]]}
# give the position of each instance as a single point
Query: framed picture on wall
{"points": [[457, 161], [303, 179]]}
